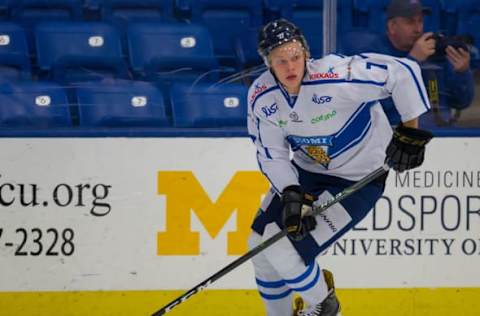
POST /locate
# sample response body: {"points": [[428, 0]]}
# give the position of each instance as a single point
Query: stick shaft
{"points": [[267, 243]]}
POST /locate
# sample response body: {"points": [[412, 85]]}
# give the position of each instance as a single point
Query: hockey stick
{"points": [[267, 243]]}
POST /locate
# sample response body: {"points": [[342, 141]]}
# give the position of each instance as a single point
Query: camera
{"points": [[457, 41]]}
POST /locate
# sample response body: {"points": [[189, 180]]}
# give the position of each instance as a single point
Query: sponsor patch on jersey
{"points": [[294, 117], [270, 110], [258, 89], [297, 141], [282, 123], [330, 74], [322, 99], [316, 147], [323, 117]]}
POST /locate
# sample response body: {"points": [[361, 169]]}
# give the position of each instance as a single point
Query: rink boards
{"points": [[117, 226]]}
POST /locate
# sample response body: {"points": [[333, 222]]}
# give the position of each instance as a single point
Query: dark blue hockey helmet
{"points": [[276, 33]]}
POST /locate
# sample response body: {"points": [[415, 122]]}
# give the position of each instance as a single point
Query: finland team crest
{"points": [[315, 147]]}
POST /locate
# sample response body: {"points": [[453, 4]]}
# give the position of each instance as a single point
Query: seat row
{"points": [[121, 103], [85, 51], [242, 19]]}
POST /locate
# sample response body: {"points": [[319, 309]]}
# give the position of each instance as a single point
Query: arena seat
{"points": [[344, 16], [79, 51], [246, 52], [14, 56], [205, 105], [468, 8], [171, 51], [432, 22], [33, 105], [371, 15], [121, 104], [227, 20], [4, 9], [449, 16], [135, 10], [36, 10], [275, 9], [469, 31], [306, 14], [358, 41], [29, 13], [365, 10]]}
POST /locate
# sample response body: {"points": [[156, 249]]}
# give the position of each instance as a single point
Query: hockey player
{"points": [[318, 128]]}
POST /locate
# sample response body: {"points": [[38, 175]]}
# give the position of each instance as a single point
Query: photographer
{"points": [[445, 62]]}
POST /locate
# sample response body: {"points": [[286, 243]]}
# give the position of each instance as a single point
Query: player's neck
{"points": [[293, 91]]}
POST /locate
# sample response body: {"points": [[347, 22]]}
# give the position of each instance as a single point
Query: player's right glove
{"points": [[296, 205], [407, 148]]}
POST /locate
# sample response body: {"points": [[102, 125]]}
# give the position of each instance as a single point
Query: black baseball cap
{"points": [[406, 8]]}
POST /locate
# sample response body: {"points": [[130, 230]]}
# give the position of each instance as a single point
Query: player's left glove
{"points": [[297, 212], [407, 148]]}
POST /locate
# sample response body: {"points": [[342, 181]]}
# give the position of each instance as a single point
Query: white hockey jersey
{"points": [[335, 125]]}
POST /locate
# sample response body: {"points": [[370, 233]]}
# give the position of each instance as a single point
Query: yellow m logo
{"points": [[185, 194]]}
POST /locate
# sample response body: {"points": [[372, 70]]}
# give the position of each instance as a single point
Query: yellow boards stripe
{"points": [[355, 302]]}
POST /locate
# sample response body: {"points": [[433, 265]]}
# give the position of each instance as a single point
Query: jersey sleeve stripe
{"points": [[267, 153], [265, 174], [415, 79]]}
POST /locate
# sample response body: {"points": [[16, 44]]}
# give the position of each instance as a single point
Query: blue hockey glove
{"points": [[407, 148], [296, 204]]}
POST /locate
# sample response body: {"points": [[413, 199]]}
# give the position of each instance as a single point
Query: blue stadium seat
{"points": [[137, 10], [33, 105], [275, 9], [4, 9], [41, 10], [469, 28], [30, 12], [14, 57], [344, 16], [308, 15], [449, 16], [432, 22], [79, 51], [122, 12], [226, 21], [371, 15], [121, 104], [365, 10], [92, 5], [246, 51], [468, 9], [205, 105], [358, 41], [170, 52]]}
